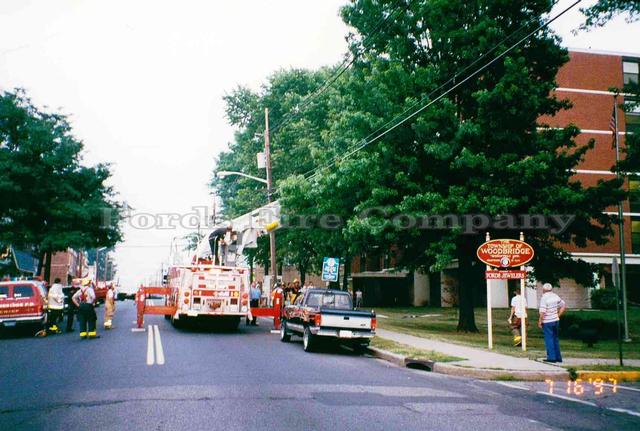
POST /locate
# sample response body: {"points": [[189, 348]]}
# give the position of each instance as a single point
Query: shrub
{"points": [[573, 326], [604, 299]]}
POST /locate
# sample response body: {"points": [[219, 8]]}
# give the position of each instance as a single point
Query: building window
{"points": [[634, 195], [632, 115], [630, 71], [635, 235]]}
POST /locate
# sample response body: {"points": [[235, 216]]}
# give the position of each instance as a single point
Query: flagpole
{"points": [[623, 267]]}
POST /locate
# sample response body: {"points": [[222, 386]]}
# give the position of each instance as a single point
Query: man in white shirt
{"points": [[518, 310], [551, 309], [55, 303]]}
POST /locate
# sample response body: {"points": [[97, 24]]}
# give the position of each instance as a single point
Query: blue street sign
{"points": [[330, 268]]}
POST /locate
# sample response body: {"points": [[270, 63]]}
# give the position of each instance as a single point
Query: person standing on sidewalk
{"points": [[55, 302], [84, 300], [518, 310], [551, 309], [358, 298]]}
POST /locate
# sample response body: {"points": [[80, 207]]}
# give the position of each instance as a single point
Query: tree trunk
{"points": [[47, 267], [346, 273], [467, 281], [302, 269], [41, 262]]}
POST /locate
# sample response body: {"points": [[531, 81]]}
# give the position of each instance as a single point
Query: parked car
{"points": [[23, 303], [327, 314]]}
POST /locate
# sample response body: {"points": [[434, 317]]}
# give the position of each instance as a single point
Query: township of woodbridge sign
{"points": [[505, 253]]}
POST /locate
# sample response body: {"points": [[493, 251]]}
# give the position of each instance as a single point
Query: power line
{"points": [[379, 134], [344, 66]]}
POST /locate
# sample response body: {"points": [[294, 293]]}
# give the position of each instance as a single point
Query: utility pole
{"points": [[623, 266], [272, 234]]}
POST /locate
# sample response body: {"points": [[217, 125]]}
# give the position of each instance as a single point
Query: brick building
{"points": [[585, 80], [68, 264]]}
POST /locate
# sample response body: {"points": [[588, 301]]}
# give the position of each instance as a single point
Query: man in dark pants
{"points": [[551, 309], [254, 296], [71, 306], [84, 300]]}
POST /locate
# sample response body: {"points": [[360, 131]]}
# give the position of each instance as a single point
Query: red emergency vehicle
{"points": [[23, 303], [206, 291]]}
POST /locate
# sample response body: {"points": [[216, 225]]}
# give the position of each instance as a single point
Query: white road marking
{"points": [[511, 385], [588, 403], [138, 329], [150, 353], [621, 387], [274, 331], [629, 412], [159, 351]]}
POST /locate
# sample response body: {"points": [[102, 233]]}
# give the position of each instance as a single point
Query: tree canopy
{"points": [[482, 148], [50, 200]]}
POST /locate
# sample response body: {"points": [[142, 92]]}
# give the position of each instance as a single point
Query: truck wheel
{"points": [[285, 337], [308, 341], [176, 323], [167, 317], [360, 347], [233, 323]]}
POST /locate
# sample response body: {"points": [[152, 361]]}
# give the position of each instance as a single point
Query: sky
{"points": [[143, 81]]}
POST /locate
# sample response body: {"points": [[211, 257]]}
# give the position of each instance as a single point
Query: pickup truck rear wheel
{"points": [[308, 341], [285, 337]]}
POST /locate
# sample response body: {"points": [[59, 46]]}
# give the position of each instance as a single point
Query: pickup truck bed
{"points": [[311, 317]]}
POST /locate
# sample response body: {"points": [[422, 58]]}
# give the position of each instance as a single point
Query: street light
{"points": [[269, 182], [223, 174]]}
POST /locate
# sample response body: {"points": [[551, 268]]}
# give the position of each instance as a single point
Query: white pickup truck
{"points": [[327, 314]]}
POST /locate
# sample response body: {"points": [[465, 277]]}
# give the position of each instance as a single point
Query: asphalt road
{"points": [[249, 380]]}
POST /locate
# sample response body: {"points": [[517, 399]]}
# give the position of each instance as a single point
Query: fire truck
{"points": [[207, 291], [216, 284]]}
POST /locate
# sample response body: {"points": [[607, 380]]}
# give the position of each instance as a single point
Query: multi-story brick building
{"points": [[586, 81]]}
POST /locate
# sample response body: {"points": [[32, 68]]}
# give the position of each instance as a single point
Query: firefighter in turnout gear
{"points": [[55, 300], [109, 306], [84, 299]]}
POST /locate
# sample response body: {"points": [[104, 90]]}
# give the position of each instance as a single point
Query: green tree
{"points": [[298, 123], [479, 151], [604, 10], [51, 201]]}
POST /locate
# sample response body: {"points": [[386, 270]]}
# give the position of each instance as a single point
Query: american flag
{"points": [[613, 127]]}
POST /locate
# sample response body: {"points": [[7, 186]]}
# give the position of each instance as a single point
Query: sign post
{"points": [[523, 312], [489, 316], [330, 269], [615, 272], [505, 253]]}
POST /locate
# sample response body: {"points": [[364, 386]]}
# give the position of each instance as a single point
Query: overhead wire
{"points": [[380, 131], [342, 68]]}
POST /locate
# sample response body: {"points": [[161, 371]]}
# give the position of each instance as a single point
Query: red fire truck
{"points": [[216, 284], [206, 291]]}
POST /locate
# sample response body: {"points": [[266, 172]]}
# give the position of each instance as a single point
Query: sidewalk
{"points": [[478, 362]]}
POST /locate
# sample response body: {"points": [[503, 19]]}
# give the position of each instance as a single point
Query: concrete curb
{"points": [[491, 374], [477, 373], [620, 376], [394, 358]]}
